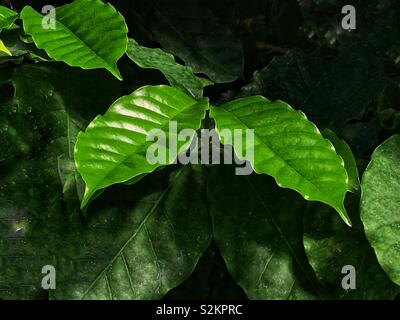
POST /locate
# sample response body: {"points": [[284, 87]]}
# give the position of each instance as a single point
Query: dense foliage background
{"points": [[292, 50]]}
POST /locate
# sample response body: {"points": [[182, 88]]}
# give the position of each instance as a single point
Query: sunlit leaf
{"points": [[4, 49], [7, 17], [288, 147], [113, 149], [87, 33], [343, 149]]}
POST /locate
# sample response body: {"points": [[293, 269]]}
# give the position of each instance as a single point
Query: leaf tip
{"points": [[86, 199], [343, 214], [4, 49], [115, 72]]}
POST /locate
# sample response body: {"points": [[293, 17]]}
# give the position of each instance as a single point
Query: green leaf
{"points": [[68, 97], [40, 220], [257, 227], [4, 49], [141, 245], [7, 17], [343, 149], [113, 149], [13, 40], [192, 32], [38, 131], [178, 76], [379, 207], [288, 147], [330, 246], [88, 34]]}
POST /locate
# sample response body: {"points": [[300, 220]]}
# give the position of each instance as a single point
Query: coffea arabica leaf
{"points": [[258, 230], [7, 17], [4, 49], [140, 246], [113, 149], [288, 147], [343, 149], [39, 192], [86, 33], [141, 240], [380, 205], [178, 75]]}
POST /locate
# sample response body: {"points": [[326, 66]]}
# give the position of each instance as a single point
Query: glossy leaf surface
{"points": [[114, 147], [7, 17], [86, 33], [4, 49], [149, 224], [343, 149], [288, 147]]}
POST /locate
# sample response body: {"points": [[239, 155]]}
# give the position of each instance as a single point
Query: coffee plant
{"points": [[110, 187]]}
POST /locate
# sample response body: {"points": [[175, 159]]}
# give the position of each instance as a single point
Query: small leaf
{"points": [[88, 34], [288, 147], [380, 205], [178, 76], [343, 149], [7, 17], [258, 229], [113, 148], [4, 49]]}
